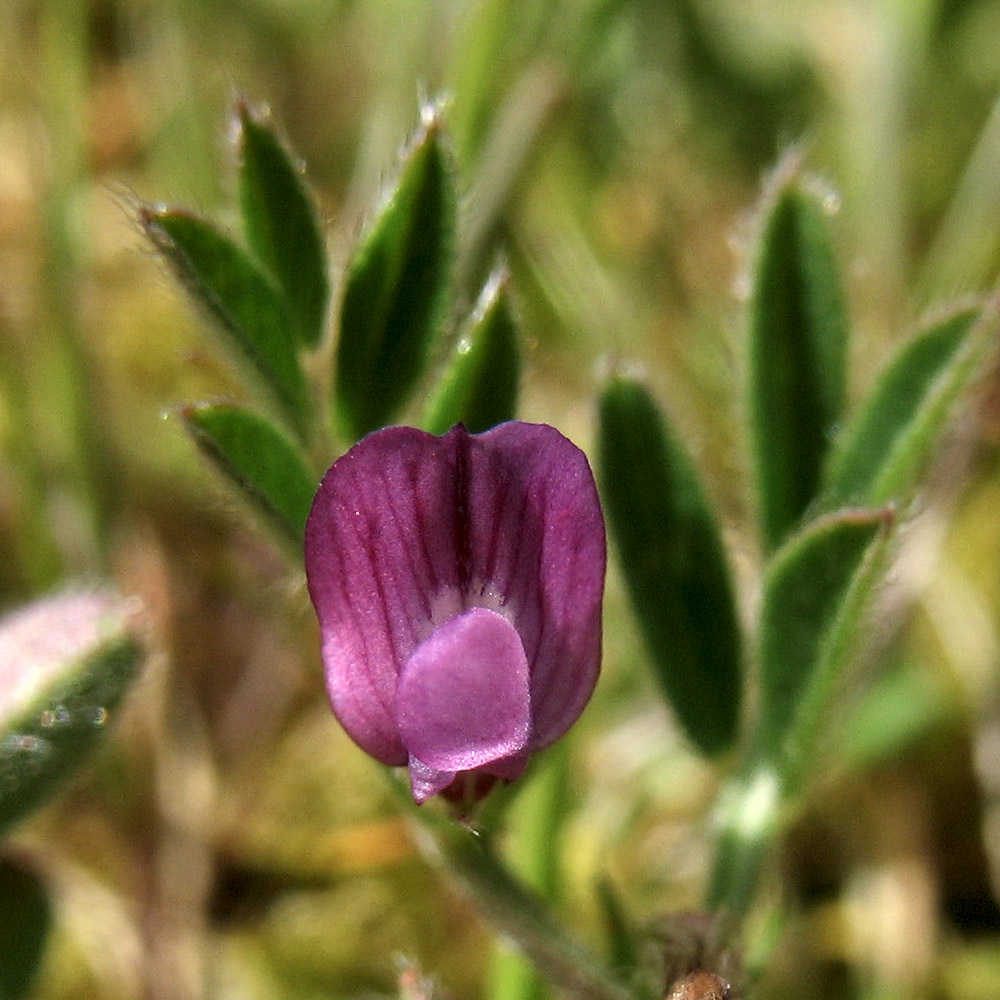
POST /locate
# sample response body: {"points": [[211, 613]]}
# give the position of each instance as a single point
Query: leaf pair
{"points": [[827, 492], [269, 298], [672, 553], [822, 495], [810, 461], [271, 302], [807, 456], [877, 461], [397, 299], [675, 567]]}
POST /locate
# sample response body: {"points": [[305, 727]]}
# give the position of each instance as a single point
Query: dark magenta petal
{"points": [[539, 538], [408, 531], [462, 700], [372, 569]]}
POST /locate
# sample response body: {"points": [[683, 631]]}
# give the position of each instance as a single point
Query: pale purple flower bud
{"points": [[458, 584]]}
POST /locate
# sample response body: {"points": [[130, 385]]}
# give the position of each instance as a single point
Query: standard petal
{"points": [[463, 700], [537, 536]]}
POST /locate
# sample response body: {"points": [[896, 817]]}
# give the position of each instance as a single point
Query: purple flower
{"points": [[458, 584]]}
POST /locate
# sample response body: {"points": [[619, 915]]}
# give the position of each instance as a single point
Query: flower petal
{"points": [[408, 530], [538, 536], [376, 550], [462, 700], [426, 781]]}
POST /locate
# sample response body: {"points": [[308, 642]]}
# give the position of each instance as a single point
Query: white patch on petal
{"points": [[450, 601]]}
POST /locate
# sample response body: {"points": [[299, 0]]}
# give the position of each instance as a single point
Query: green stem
{"points": [[751, 810], [749, 814], [535, 822], [523, 916], [513, 908]]}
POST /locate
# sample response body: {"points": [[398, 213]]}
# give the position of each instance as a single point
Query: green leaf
{"points": [[798, 331], [280, 222], [25, 918], [621, 946], [396, 291], [480, 386], [805, 592], [65, 663], [881, 453], [251, 452], [673, 563], [231, 287]]}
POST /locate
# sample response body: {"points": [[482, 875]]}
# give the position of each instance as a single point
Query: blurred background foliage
{"points": [[229, 841]]}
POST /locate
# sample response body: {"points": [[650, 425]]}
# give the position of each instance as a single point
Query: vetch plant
{"points": [[457, 565], [458, 583]]}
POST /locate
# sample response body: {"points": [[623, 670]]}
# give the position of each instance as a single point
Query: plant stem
{"points": [[536, 821], [748, 820], [514, 909]]}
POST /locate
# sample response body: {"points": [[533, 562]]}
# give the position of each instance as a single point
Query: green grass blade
{"points": [[673, 563], [280, 222], [618, 931], [253, 454], [480, 387], [230, 286], [396, 291], [798, 332]]}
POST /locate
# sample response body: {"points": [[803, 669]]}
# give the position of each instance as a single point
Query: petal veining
{"points": [[408, 534], [376, 551]]}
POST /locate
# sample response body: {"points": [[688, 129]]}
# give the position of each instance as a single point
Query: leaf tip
{"points": [[432, 113]]}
